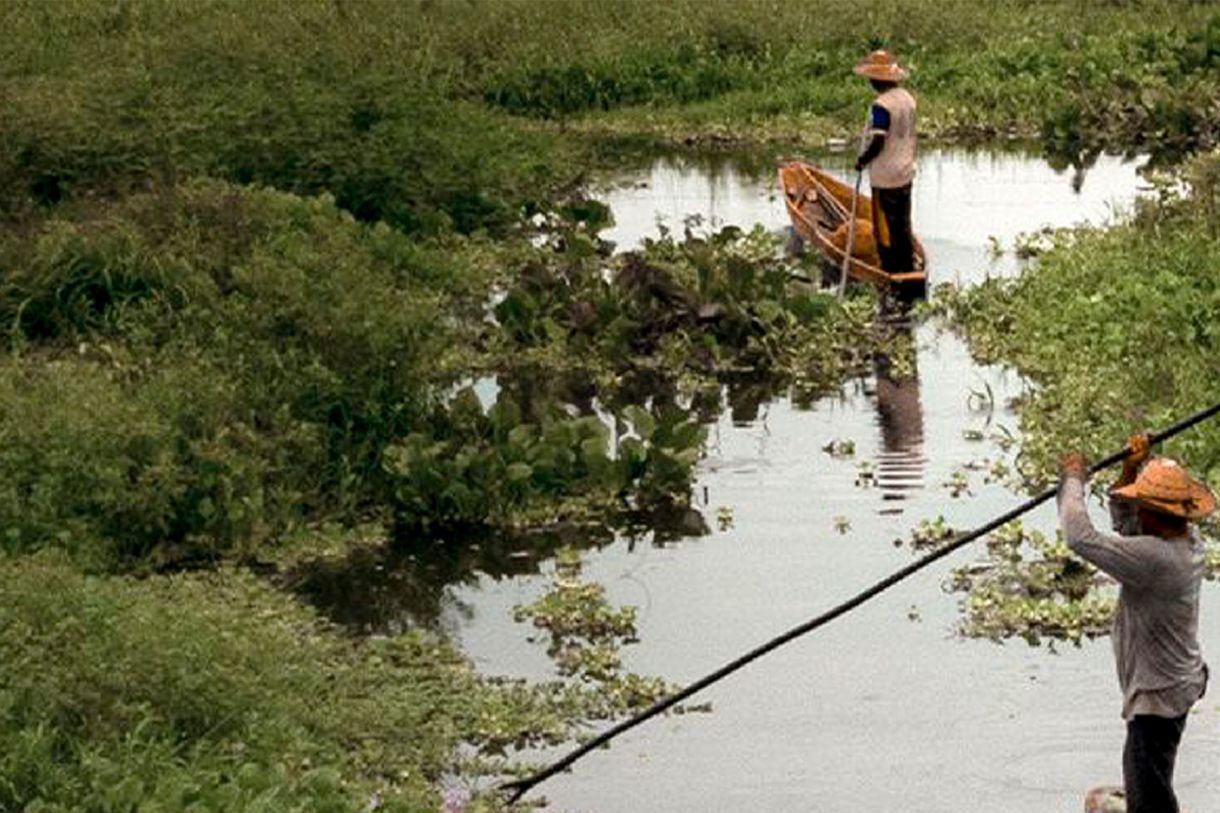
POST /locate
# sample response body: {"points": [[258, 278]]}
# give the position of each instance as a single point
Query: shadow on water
{"points": [[392, 587], [388, 588]]}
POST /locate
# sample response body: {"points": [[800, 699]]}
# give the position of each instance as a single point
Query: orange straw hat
{"points": [[880, 65], [1164, 486]]}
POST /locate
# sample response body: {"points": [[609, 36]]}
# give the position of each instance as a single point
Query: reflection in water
{"points": [[964, 196], [387, 589], [393, 587], [900, 460]]}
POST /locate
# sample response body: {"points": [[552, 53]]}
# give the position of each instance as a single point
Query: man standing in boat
{"points": [[889, 154], [1158, 561]]}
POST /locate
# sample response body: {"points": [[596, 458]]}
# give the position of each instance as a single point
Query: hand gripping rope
{"points": [[519, 787]]}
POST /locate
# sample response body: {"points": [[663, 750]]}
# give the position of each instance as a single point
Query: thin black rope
{"points": [[519, 787]]}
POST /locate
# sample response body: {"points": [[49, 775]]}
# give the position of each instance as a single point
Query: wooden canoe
{"points": [[818, 204]]}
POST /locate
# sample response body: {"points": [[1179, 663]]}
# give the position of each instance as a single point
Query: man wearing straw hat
{"points": [[1158, 561], [889, 154]]}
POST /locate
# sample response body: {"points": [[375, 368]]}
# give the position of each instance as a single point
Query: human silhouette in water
{"points": [[899, 409]]}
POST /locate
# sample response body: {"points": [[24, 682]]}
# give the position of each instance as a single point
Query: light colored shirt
{"points": [[1156, 624], [894, 166]]}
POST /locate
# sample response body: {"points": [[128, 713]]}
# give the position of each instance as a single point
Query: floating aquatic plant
{"points": [[1032, 587], [840, 448], [958, 483], [584, 635], [931, 533]]}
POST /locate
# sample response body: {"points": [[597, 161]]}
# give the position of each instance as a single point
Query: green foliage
{"points": [[104, 98], [1033, 588], [1118, 329], [700, 306], [472, 468], [234, 361], [685, 74], [122, 473], [211, 693]]}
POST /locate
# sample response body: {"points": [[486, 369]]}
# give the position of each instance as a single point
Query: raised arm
{"points": [[1127, 559], [1124, 517]]}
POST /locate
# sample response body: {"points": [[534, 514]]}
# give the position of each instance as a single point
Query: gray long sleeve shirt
{"points": [[1155, 634]]}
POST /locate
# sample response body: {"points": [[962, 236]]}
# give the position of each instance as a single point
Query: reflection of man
{"points": [[890, 157], [1158, 560], [899, 413]]}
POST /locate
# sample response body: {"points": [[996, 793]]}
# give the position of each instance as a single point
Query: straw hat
{"points": [[1164, 486], [880, 65]]}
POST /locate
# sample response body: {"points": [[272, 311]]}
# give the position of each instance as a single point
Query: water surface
{"points": [[887, 708]]}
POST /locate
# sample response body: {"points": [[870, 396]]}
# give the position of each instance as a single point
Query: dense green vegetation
{"points": [[1118, 330], [429, 115], [216, 692], [208, 693], [259, 260]]}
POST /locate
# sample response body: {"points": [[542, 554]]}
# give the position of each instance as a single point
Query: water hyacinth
{"points": [[585, 634], [1032, 587]]}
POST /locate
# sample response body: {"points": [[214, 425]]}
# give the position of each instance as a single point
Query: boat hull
{"points": [[818, 204]]}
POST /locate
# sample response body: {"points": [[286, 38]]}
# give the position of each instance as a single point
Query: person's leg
{"points": [[899, 253], [1148, 759], [881, 231]]}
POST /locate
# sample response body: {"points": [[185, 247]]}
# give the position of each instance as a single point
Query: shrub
{"points": [[210, 693], [220, 363]]}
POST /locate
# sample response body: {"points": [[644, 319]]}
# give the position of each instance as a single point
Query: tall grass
{"points": [[216, 693]]}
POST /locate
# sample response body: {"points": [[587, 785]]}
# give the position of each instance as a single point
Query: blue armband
{"points": [[880, 118]]}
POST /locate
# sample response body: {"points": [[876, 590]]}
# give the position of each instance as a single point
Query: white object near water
{"points": [[1105, 800]]}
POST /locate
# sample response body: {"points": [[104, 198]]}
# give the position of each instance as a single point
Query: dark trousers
{"points": [[1148, 758], [892, 229]]}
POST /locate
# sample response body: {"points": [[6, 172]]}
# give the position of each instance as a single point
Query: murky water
{"points": [[886, 709], [963, 202]]}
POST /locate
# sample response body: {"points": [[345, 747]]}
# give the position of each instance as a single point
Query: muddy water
{"points": [[886, 709]]}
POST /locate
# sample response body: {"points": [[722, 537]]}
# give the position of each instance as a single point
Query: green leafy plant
{"points": [[1031, 587]]}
